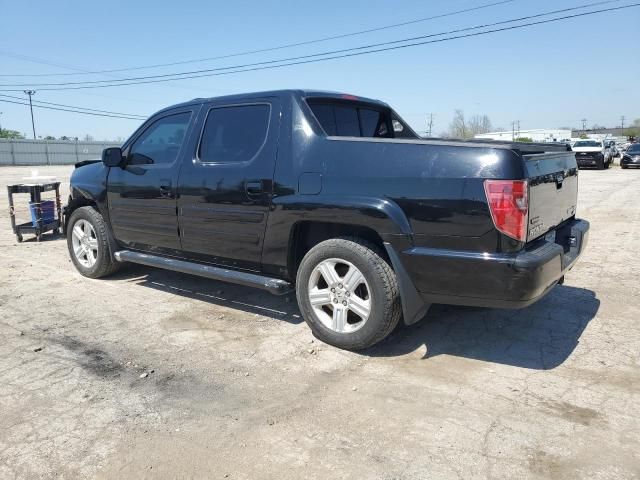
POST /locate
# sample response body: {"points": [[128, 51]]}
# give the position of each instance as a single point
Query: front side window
{"points": [[234, 134], [161, 142]]}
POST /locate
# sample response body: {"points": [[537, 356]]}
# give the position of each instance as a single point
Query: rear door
{"points": [[142, 195], [553, 190], [225, 190]]}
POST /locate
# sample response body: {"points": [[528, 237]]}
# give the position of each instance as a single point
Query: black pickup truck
{"points": [[336, 196]]}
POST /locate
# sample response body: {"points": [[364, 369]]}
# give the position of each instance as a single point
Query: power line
{"points": [[80, 108], [302, 57], [72, 111], [250, 52], [307, 58]]}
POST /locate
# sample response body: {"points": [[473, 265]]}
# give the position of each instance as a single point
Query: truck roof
{"points": [[311, 93], [307, 93]]}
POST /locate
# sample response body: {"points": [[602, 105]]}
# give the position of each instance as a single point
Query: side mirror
{"points": [[112, 157]]}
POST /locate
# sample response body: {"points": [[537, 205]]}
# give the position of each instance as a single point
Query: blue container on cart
{"points": [[48, 212]]}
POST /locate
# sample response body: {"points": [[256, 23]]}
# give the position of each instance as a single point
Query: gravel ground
{"points": [[158, 374]]}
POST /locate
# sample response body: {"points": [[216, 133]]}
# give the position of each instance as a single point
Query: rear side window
{"points": [[349, 120], [234, 134]]}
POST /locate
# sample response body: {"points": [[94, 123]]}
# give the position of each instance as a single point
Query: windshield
{"points": [[635, 148], [587, 144]]}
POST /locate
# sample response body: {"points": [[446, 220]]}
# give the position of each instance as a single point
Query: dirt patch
{"points": [[92, 359], [573, 413]]}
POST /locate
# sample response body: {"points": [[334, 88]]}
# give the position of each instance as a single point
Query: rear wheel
{"points": [[347, 293], [88, 243]]}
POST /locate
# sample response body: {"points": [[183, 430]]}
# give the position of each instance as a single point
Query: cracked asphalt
{"points": [[154, 374]]}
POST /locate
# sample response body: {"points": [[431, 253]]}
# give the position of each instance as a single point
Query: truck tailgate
{"points": [[553, 190]]}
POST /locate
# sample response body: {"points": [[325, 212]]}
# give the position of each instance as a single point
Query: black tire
{"points": [[623, 166], [104, 265], [600, 164], [19, 237], [386, 309]]}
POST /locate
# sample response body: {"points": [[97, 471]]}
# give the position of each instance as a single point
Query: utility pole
{"points": [[1, 122], [621, 122], [513, 131], [517, 128], [430, 123], [33, 125], [584, 125]]}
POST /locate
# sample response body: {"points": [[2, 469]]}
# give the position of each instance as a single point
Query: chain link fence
{"points": [[49, 152]]}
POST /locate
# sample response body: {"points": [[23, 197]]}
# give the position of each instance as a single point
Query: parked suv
{"points": [[631, 157], [334, 196], [593, 153]]}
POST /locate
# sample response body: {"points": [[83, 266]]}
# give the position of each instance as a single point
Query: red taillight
{"points": [[509, 206]]}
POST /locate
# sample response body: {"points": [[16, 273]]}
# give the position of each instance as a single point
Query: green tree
{"points": [[4, 133], [524, 139], [634, 130]]}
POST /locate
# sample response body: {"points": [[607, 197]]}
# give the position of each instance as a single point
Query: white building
{"points": [[536, 135]]}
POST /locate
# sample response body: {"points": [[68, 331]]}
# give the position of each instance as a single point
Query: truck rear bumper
{"points": [[495, 280]]}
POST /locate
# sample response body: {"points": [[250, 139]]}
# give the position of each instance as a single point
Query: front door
{"points": [[225, 191], [142, 195]]}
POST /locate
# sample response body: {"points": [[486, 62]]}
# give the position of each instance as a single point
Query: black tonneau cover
{"points": [[523, 147]]}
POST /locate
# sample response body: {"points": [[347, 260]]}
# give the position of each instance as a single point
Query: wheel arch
{"points": [[306, 234], [77, 198]]}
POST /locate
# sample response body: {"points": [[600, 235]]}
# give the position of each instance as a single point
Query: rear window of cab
{"points": [[351, 119]]}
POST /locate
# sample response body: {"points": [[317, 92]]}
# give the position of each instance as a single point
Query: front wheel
{"points": [[88, 243], [348, 294]]}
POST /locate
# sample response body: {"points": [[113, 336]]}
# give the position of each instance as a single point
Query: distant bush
{"points": [[524, 140], [4, 133]]}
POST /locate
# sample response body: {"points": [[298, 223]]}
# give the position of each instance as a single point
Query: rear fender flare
{"points": [[379, 214]]}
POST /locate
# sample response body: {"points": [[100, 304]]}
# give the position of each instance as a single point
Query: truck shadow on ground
{"points": [[539, 337], [250, 300]]}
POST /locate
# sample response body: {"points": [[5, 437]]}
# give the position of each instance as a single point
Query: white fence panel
{"points": [[49, 152]]}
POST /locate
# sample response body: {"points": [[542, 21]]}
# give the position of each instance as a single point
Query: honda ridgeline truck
{"points": [[334, 196]]}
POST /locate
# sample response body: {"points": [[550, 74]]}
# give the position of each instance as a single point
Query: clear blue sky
{"points": [[546, 76]]}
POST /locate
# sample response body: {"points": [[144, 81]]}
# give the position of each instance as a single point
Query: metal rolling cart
{"points": [[46, 215]]}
